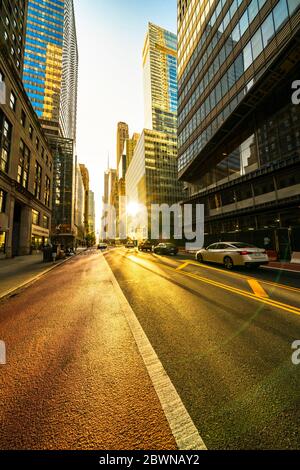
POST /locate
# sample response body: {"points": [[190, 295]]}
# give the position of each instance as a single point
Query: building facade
{"points": [[92, 214], [64, 231], [80, 202], [86, 183], [152, 175], [122, 136], [26, 172], [13, 16], [50, 78], [130, 147], [51, 64], [26, 166], [238, 129], [160, 79]]}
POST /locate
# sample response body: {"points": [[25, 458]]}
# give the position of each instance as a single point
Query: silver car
{"points": [[232, 254]]}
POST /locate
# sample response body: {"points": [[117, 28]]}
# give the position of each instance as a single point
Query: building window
{"points": [[12, 101], [2, 200], [30, 131], [5, 142], [35, 217], [23, 118], [47, 191], [45, 222], [37, 143], [23, 167], [1, 76], [38, 180], [43, 153]]}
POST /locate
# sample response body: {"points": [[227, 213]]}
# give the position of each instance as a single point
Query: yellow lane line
{"points": [[182, 266], [257, 288], [242, 276], [233, 290]]}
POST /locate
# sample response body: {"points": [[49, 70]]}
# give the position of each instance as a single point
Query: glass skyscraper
{"points": [[160, 79], [51, 64], [238, 129]]}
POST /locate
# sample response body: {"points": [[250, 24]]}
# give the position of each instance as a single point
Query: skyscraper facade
{"points": [[26, 165], [122, 136], [50, 78], [160, 79], [51, 64], [238, 128], [92, 214], [13, 16], [151, 176]]}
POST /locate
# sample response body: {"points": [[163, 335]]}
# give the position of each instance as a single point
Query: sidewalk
{"points": [[17, 272], [283, 266]]}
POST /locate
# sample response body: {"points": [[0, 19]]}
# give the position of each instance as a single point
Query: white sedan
{"points": [[232, 254]]}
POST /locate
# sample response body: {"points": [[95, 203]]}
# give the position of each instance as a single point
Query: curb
{"points": [[32, 280]]}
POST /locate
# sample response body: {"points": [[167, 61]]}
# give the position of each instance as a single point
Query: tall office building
{"points": [[92, 214], [86, 183], [130, 148], [50, 78], [151, 177], [26, 167], [13, 16], [160, 79], [122, 136], [51, 64], [239, 140]]}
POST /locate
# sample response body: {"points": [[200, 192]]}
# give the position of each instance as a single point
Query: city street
{"points": [[75, 378]]}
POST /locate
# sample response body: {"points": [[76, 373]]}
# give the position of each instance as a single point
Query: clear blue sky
{"points": [[110, 41]]}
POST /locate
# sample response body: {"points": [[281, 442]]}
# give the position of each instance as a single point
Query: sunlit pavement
{"points": [[75, 378], [225, 343]]}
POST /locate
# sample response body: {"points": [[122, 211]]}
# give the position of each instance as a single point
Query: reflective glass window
{"points": [[244, 22], [280, 13], [257, 44], [267, 29], [247, 56]]}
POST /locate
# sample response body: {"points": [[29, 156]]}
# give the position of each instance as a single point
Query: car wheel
{"points": [[228, 263], [199, 258]]}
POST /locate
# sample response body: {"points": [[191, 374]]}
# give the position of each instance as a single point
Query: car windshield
{"points": [[242, 245]]}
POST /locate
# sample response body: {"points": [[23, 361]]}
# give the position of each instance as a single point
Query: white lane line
{"points": [[183, 429]]}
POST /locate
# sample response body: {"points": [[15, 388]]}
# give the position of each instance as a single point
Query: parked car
{"points": [[102, 246], [146, 246], [232, 254], [130, 244], [166, 249]]}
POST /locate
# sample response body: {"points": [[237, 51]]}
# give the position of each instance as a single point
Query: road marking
{"points": [[183, 429], [182, 266], [241, 276], [257, 288], [234, 290]]}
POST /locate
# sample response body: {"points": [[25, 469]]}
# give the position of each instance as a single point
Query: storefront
{"points": [[40, 237]]}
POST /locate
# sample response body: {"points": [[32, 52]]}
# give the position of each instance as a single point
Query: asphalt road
{"points": [[75, 378], [225, 340]]}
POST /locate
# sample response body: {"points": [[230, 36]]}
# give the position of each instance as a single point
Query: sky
{"points": [[110, 37]]}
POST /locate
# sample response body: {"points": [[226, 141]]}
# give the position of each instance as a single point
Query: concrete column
{"points": [[25, 231]]}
